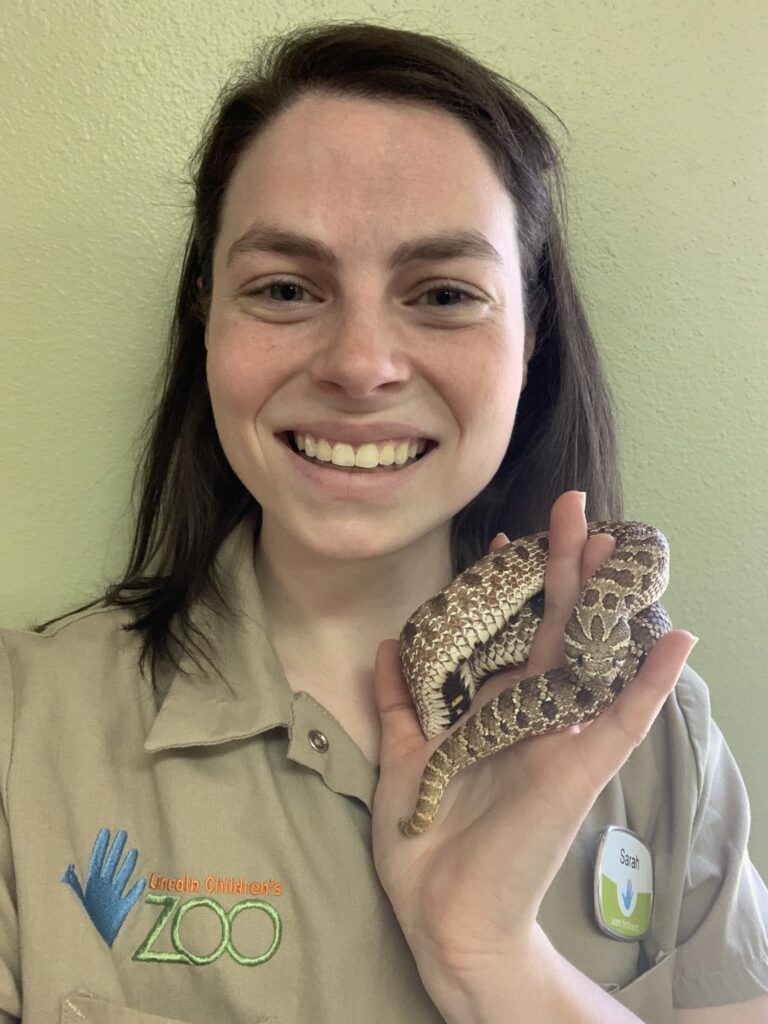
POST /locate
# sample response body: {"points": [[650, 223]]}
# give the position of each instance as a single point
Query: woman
{"points": [[375, 267]]}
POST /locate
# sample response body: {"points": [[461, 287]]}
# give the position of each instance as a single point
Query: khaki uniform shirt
{"points": [[206, 857]]}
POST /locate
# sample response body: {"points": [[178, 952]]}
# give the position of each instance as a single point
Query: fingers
{"points": [[126, 871], [621, 727], [567, 538], [110, 864], [400, 729], [572, 559], [98, 853], [596, 553], [135, 891]]}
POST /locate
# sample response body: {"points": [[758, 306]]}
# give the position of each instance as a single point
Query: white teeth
{"points": [[365, 456]]}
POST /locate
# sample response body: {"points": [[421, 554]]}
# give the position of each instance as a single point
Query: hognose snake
{"points": [[485, 620]]}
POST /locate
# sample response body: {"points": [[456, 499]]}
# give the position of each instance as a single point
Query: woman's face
{"points": [[357, 349]]}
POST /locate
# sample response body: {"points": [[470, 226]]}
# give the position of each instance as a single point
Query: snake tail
{"points": [[537, 705]]}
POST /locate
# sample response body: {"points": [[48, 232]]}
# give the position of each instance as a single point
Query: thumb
{"points": [[400, 730]]}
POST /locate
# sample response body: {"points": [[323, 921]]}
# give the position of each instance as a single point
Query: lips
{"points": [[351, 484], [359, 433], [287, 437]]}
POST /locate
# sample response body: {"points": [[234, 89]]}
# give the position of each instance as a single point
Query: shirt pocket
{"points": [[650, 995], [77, 1007]]}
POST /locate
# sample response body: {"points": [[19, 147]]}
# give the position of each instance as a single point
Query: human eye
{"points": [[277, 283], [449, 288], [441, 288]]}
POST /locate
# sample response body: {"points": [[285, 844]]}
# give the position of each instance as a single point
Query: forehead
{"points": [[366, 173]]}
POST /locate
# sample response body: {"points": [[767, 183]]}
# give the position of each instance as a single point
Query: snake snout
{"points": [[597, 663]]}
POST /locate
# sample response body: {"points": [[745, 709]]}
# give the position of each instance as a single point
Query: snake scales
{"points": [[485, 620]]}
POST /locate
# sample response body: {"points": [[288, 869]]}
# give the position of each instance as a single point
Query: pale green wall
{"points": [[102, 103]]}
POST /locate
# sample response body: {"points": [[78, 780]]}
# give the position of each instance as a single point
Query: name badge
{"points": [[623, 884]]}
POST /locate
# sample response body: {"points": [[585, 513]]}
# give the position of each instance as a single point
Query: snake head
{"points": [[596, 646]]}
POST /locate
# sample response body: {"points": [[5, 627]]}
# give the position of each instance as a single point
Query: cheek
{"points": [[240, 377], [486, 388]]}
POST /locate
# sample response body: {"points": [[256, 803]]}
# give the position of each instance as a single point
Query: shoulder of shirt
{"points": [[690, 698], [100, 624], [679, 736], [75, 651]]}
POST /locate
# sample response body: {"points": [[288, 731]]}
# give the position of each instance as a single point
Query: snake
{"points": [[485, 620]]}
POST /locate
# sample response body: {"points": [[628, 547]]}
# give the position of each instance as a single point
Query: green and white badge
{"points": [[623, 884]]}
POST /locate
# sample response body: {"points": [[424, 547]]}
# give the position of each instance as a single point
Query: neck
{"points": [[350, 605], [327, 615]]}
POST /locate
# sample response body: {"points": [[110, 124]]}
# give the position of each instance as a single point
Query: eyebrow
{"points": [[445, 245]]}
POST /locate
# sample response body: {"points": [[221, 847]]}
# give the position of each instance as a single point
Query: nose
{"points": [[362, 351]]}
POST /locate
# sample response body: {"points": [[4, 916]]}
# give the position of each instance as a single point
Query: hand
{"points": [[103, 899], [468, 890]]}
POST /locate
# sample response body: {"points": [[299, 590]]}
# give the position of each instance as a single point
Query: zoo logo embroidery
{"points": [[226, 917], [104, 884], [108, 907]]}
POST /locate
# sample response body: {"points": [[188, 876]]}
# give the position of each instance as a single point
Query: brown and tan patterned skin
{"points": [[485, 620]]}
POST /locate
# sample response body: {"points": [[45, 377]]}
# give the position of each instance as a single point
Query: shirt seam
{"points": [[744, 965], [6, 781], [5, 796], [698, 757]]}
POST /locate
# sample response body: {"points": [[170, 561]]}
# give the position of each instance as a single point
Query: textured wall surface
{"points": [[665, 104]]}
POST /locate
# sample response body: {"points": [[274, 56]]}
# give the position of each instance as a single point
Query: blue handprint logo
{"points": [[103, 898], [626, 896]]}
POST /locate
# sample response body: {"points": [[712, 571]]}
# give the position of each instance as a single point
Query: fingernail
{"points": [[694, 640], [583, 496], [503, 536]]}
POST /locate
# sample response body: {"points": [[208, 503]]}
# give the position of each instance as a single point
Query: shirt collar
{"points": [[199, 708]]}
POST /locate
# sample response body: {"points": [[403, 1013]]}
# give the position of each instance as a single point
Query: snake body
{"points": [[485, 620]]}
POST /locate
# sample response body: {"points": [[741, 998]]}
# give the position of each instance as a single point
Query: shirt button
{"points": [[318, 741]]}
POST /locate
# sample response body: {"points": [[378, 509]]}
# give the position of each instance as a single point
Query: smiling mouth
{"points": [[288, 439]]}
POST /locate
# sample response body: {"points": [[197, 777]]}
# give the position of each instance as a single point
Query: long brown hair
{"points": [[564, 437]]}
